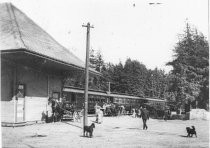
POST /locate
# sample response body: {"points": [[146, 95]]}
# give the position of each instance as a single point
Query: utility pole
{"points": [[85, 121]]}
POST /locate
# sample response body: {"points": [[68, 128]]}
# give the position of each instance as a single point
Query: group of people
{"points": [[56, 111], [141, 112]]}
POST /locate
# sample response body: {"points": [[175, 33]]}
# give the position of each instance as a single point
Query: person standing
{"points": [[139, 112], [133, 113], [145, 117], [97, 109], [165, 115], [100, 116]]}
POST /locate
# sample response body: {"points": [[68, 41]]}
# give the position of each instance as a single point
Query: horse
{"points": [[57, 111]]}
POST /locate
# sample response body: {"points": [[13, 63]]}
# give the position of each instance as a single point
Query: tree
{"points": [[96, 60], [99, 61], [190, 75], [156, 84], [93, 59], [132, 78], [135, 76], [118, 79]]}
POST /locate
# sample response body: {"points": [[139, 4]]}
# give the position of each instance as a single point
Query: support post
{"points": [[48, 86], [109, 87]]}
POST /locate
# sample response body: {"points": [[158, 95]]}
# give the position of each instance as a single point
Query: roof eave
{"points": [[49, 58]]}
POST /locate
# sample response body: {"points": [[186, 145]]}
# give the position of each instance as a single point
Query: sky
{"points": [[122, 28]]}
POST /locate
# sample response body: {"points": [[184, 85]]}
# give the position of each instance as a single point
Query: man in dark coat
{"points": [[145, 116]]}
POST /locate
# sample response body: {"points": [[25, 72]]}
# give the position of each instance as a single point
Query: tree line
{"points": [[187, 83]]}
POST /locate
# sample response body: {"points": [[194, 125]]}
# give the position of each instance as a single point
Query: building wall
{"points": [[7, 111], [7, 103], [37, 87], [35, 82], [35, 107], [55, 83], [7, 81]]}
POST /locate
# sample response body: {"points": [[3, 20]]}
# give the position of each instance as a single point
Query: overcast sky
{"points": [[122, 28]]}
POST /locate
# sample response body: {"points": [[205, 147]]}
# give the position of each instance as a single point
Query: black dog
{"points": [[89, 129], [191, 131]]}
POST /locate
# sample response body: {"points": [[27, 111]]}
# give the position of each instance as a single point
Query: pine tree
{"points": [[92, 59], [135, 74], [190, 66]]}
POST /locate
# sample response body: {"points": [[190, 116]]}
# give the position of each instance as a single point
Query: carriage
{"points": [[71, 112], [68, 111], [65, 111]]}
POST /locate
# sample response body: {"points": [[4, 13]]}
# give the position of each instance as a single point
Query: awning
{"points": [[106, 94], [82, 92], [150, 99], [100, 93]]}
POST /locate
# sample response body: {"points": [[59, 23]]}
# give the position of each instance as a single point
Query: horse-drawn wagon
{"points": [[68, 111], [65, 111]]}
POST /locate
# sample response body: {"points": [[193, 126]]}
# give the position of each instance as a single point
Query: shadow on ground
{"points": [[185, 136], [72, 124], [116, 127], [29, 146], [134, 128], [88, 136], [36, 135]]}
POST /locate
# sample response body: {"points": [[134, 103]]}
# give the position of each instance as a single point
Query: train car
{"points": [[95, 99], [127, 101], [76, 96], [130, 102], [156, 107]]}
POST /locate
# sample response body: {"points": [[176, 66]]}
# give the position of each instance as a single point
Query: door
{"points": [[20, 103], [20, 110]]}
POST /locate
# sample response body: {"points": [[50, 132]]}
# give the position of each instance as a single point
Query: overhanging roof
{"points": [[19, 32], [82, 91], [38, 62], [151, 99], [100, 93]]}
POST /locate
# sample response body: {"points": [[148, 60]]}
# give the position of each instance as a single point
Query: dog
{"points": [[191, 131], [89, 129]]}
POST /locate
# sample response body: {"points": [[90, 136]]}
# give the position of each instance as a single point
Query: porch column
{"points": [[48, 86]]}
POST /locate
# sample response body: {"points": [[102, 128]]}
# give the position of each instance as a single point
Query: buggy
{"points": [[68, 111]]}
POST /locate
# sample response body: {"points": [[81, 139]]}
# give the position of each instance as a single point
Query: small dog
{"points": [[89, 129], [191, 131]]}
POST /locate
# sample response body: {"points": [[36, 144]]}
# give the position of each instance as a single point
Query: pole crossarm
{"points": [[88, 25]]}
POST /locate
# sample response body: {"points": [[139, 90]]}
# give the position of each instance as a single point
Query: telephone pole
{"points": [[85, 121]]}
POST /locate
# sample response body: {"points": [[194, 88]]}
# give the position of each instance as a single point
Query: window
{"points": [[21, 91]]}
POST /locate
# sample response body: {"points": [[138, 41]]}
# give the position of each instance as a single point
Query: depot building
{"points": [[33, 66]]}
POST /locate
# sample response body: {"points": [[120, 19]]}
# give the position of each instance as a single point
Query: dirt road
{"points": [[123, 131]]}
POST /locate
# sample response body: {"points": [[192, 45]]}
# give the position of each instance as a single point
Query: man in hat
{"points": [[145, 117]]}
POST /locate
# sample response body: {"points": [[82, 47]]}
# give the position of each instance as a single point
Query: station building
{"points": [[33, 67]]}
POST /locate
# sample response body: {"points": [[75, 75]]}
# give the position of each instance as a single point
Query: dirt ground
{"points": [[124, 131]]}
